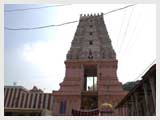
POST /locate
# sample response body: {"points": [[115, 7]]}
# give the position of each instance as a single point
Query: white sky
{"points": [[137, 42]]}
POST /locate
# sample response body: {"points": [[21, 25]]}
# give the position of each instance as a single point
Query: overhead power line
{"points": [[125, 33], [34, 8], [40, 27], [119, 9], [145, 70], [131, 41], [47, 26], [118, 37]]}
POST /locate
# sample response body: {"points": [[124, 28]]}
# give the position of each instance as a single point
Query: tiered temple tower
{"points": [[90, 78]]}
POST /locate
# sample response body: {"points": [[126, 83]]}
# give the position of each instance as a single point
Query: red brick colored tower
{"points": [[90, 79]]}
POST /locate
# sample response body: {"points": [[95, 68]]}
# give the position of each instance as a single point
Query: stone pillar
{"points": [[121, 111], [146, 98], [136, 105], [129, 109], [82, 77], [140, 108], [132, 105], [126, 110], [144, 107], [153, 89]]}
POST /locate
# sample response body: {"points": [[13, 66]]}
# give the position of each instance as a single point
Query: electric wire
{"points": [[33, 28], [131, 41], [40, 27], [145, 70], [120, 9], [34, 8], [138, 34], [122, 23], [125, 32]]}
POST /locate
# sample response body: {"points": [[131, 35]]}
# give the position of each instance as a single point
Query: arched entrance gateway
{"points": [[90, 78]]}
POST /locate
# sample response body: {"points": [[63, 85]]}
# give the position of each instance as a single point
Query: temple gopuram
{"points": [[91, 70]]}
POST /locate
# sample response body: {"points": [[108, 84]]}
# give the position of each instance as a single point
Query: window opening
{"points": [[91, 26], [91, 42], [90, 33], [90, 79], [91, 83]]}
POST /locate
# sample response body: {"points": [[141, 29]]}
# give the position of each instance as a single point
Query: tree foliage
{"points": [[129, 85]]}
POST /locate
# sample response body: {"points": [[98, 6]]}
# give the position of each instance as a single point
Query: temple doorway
{"points": [[89, 102], [89, 95]]}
